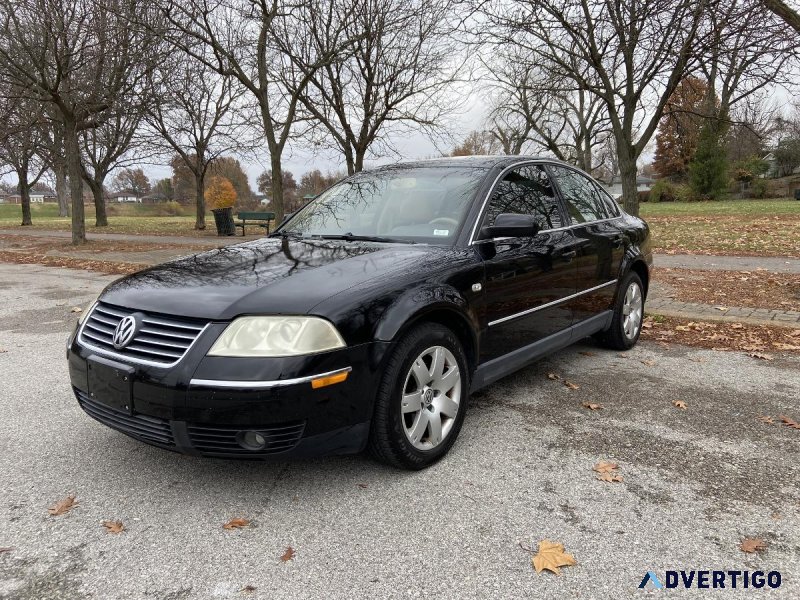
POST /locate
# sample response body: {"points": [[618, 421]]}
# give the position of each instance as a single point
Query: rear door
{"points": [[595, 222], [526, 277]]}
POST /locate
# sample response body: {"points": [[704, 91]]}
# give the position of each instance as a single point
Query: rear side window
{"points": [[526, 190], [582, 198]]}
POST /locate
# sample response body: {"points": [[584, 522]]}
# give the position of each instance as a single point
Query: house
{"points": [[643, 184], [124, 196]]}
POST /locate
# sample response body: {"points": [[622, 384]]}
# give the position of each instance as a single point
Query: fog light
{"points": [[251, 440]]}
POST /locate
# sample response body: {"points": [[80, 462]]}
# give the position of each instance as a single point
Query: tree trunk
{"points": [[348, 159], [62, 192], [25, 196], [277, 186], [360, 152], [73, 153], [627, 171], [100, 217], [200, 202]]}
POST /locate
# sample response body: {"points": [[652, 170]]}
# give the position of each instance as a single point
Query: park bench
{"points": [[262, 219]]}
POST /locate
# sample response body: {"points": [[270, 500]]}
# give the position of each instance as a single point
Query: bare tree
{"points": [[21, 146], [790, 16], [239, 39], [630, 53], [535, 106], [53, 150], [394, 79], [79, 57], [105, 148], [195, 117]]}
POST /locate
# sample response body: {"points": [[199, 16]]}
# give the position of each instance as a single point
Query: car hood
{"points": [[272, 275]]}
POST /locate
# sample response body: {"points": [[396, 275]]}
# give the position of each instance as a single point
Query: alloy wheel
{"points": [[431, 398], [632, 311]]}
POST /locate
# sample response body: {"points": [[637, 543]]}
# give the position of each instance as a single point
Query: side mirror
{"points": [[510, 225]]}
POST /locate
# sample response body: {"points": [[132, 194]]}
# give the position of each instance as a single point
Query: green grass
{"points": [[720, 208]]}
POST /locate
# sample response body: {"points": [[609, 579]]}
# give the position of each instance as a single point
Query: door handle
{"points": [[569, 255]]}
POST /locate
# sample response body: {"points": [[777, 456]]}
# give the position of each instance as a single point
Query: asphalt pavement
{"points": [[697, 481]]}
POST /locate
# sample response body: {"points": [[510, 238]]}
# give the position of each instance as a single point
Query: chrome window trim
{"points": [[473, 241], [263, 385], [129, 359], [549, 304]]}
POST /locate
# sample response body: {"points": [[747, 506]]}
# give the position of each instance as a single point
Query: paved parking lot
{"points": [[696, 482]]}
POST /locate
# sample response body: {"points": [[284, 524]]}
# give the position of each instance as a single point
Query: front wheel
{"points": [[421, 400], [626, 324]]}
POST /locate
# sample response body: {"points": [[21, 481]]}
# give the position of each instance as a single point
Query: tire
{"points": [[623, 334], [404, 424]]}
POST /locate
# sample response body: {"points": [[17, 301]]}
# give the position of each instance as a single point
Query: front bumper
{"points": [[203, 405]]}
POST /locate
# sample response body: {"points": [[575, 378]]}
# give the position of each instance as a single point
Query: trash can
{"points": [[223, 218], [797, 194]]}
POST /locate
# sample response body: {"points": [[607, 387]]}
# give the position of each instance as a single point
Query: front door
{"points": [[526, 278]]}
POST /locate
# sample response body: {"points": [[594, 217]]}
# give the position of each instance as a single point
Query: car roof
{"points": [[486, 161]]}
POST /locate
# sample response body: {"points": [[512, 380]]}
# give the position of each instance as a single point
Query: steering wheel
{"points": [[446, 221]]}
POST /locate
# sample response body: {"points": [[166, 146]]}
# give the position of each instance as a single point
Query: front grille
{"points": [[147, 429], [222, 441], [160, 339]]}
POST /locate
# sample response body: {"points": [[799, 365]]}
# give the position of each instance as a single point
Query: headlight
{"points": [[87, 310], [277, 336]]}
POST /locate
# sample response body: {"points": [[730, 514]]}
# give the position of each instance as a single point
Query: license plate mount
{"points": [[111, 383]]}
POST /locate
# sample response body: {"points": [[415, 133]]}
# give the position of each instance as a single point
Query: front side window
{"points": [[414, 204], [525, 190], [581, 197]]}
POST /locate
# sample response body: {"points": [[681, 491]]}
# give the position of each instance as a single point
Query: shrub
{"points": [[643, 196], [662, 191], [758, 189], [167, 209], [220, 193]]}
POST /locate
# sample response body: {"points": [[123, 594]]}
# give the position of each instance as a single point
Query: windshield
{"points": [[414, 204]]}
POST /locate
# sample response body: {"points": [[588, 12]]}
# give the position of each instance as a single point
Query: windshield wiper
{"points": [[350, 237]]}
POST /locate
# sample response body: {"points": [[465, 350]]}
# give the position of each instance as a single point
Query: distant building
{"points": [[643, 184], [124, 196]]}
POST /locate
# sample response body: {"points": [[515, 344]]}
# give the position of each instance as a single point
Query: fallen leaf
{"points": [[236, 524], [114, 526], [587, 353], [781, 346], [64, 506], [5, 550], [288, 555], [551, 556], [760, 355], [767, 420], [789, 422], [621, 355], [753, 545], [679, 404], [610, 477], [248, 589], [722, 308], [363, 486], [553, 376], [648, 362], [592, 405], [76, 309], [605, 467], [3, 351], [776, 516], [572, 386]]}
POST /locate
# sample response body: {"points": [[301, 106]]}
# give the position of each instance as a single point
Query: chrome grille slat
{"points": [[161, 340], [180, 336]]}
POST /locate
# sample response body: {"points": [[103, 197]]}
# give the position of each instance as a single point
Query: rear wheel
{"points": [[421, 400], [626, 324]]}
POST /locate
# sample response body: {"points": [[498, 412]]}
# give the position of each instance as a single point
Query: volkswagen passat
{"points": [[370, 315]]}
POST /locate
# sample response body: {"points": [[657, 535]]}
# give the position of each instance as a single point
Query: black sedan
{"points": [[365, 321]]}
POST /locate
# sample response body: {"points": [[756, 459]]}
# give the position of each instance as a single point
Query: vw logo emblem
{"points": [[125, 331], [427, 397]]}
